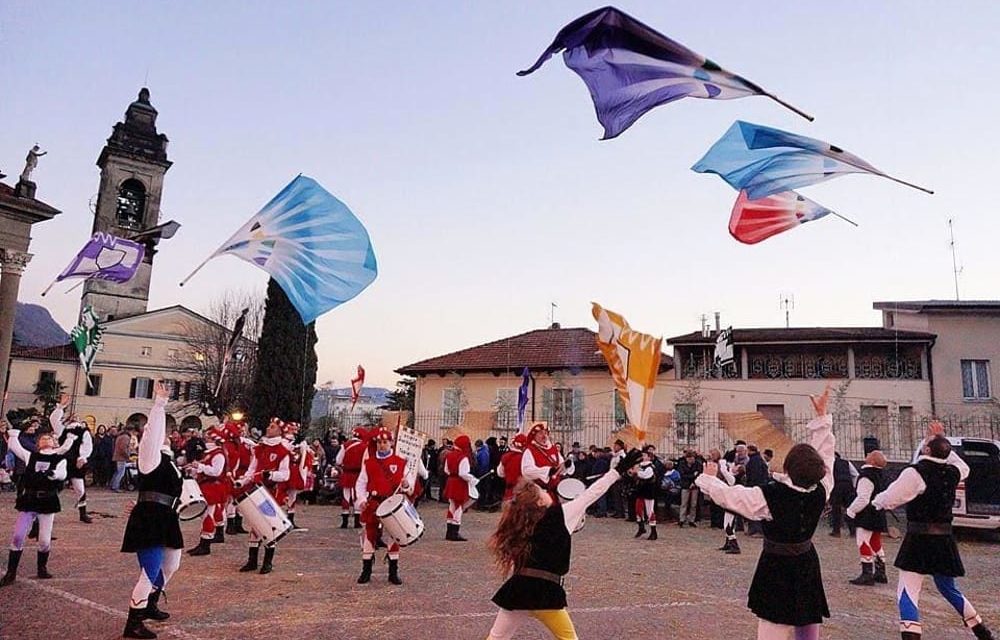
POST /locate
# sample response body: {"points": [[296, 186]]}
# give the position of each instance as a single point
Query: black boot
{"points": [[453, 534], [734, 547], [219, 535], [909, 635], [152, 611], [727, 546], [203, 549], [251, 564], [357, 520], [33, 534], [366, 570], [867, 577], [266, 566], [13, 559], [238, 527], [982, 633], [642, 529], [343, 520], [295, 527], [231, 526], [394, 572], [652, 532], [380, 543], [134, 628], [880, 576], [43, 565], [84, 518]]}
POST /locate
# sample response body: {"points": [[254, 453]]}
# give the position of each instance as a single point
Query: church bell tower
{"points": [[132, 165]]}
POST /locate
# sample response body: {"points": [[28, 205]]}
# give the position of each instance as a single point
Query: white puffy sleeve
{"points": [[749, 502]]}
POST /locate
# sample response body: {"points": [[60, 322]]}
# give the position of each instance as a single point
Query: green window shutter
{"points": [[131, 389], [547, 404], [577, 407]]}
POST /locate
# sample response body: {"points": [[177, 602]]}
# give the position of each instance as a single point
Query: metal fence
{"points": [[898, 438]]}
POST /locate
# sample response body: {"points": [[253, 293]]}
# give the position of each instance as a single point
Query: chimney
{"points": [[718, 327], [555, 325], [705, 331]]}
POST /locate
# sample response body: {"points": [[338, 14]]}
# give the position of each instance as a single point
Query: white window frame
{"points": [[451, 412], [172, 354], [506, 407], [146, 351], [977, 395], [562, 416]]}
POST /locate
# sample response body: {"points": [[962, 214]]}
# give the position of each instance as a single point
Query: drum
{"points": [[568, 489], [264, 515], [400, 520], [192, 502]]}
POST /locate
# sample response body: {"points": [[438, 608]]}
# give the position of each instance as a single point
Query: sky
{"points": [[488, 196]]}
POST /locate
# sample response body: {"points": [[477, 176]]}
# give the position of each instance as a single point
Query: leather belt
{"points": [[929, 528], [41, 493], [158, 498], [543, 575], [787, 548]]}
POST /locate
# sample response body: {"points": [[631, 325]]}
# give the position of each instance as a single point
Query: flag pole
{"points": [[844, 219], [908, 184], [52, 284], [196, 270], [789, 106], [76, 286]]}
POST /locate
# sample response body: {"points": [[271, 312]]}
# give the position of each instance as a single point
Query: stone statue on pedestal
{"points": [[31, 162]]}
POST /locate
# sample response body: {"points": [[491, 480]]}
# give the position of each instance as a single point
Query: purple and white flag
{"points": [[105, 257]]}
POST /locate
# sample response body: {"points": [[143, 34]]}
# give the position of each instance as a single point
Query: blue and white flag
{"points": [[311, 244], [763, 161], [522, 398], [630, 68]]}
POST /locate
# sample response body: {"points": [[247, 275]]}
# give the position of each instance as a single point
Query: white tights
{"points": [[771, 631]]}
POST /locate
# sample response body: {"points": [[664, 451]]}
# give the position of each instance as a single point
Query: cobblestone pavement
{"points": [[619, 587]]}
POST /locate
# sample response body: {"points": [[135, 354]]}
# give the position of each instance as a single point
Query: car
{"points": [[977, 500]]}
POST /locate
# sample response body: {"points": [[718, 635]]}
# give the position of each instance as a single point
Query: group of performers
{"points": [[532, 541]]}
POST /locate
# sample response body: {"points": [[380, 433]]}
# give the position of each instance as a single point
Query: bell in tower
{"points": [[132, 165]]}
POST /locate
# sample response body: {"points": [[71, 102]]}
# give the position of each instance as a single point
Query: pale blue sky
{"points": [[487, 195]]}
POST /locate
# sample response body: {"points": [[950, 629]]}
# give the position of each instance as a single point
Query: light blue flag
{"points": [[764, 161], [311, 244]]}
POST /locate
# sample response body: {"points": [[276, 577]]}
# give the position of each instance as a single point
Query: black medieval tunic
{"points": [[928, 552], [787, 585], [151, 523], [550, 552], [73, 454], [871, 518], [36, 491]]}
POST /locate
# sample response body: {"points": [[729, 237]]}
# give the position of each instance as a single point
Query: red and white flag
{"points": [[356, 385]]}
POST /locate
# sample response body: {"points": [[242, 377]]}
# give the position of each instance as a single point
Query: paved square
{"points": [[676, 587]]}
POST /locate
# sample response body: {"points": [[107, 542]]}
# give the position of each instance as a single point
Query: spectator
{"points": [[768, 456], [119, 456], [689, 467], [194, 446], [755, 475], [442, 453], [616, 494], [482, 455], [842, 495], [502, 445], [429, 457], [103, 448], [599, 465], [494, 484]]}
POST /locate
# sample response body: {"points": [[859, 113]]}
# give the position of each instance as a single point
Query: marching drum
{"points": [[568, 489], [192, 502], [264, 515], [400, 520]]}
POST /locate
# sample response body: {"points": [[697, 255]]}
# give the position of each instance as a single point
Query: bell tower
{"points": [[132, 165]]}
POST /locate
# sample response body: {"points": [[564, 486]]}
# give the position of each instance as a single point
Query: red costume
{"points": [[212, 475], [458, 486], [270, 466], [380, 478], [349, 459], [543, 465], [510, 465]]}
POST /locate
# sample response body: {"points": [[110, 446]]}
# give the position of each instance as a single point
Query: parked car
{"points": [[977, 500]]}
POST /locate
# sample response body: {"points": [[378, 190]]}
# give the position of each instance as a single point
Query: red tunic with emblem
{"points": [[239, 453], [510, 463], [354, 452], [456, 488], [216, 488], [268, 455], [544, 460], [301, 467], [383, 476]]}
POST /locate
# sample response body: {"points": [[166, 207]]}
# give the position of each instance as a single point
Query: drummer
{"points": [[212, 474], [382, 475], [270, 468], [542, 462], [349, 460], [239, 453]]}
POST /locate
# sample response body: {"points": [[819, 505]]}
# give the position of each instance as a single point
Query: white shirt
{"points": [[749, 502], [533, 472], [864, 490], [909, 484]]}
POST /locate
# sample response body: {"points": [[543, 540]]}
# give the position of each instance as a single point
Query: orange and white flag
{"points": [[634, 360]]}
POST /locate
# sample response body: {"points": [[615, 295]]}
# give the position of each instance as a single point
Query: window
{"points": [[775, 414], [976, 379], [94, 388], [146, 352], [686, 417], [172, 354], [451, 407], [131, 205], [875, 422], [194, 391], [46, 377], [621, 417], [506, 406], [562, 408], [173, 389], [141, 388]]}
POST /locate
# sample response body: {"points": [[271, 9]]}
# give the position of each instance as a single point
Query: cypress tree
{"points": [[285, 381]]}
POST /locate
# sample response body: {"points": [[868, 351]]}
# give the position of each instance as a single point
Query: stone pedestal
{"points": [[12, 264], [25, 189]]}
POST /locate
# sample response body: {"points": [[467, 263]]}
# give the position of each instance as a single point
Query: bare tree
{"points": [[207, 344]]}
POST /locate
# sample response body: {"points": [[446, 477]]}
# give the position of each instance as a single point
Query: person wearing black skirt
{"points": [[153, 531], [869, 522], [532, 543], [927, 488], [787, 593]]}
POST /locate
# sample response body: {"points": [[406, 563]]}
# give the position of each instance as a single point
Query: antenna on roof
{"points": [[786, 302], [552, 315], [956, 270]]}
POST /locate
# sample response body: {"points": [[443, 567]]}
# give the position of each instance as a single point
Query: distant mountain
{"points": [[326, 399], [34, 327]]}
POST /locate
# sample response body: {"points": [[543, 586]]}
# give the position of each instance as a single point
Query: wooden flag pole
{"points": [[196, 270], [789, 106], [908, 184], [844, 219], [52, 284]]}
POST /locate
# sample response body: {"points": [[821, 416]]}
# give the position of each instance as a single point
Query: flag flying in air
{"points": [[311, 244], [630, 68], [522, 398], [756, 220], [234, 338], [105, 257], [634, 361], [765, 161], [86, 338], [724, 355], [356, 384]]}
